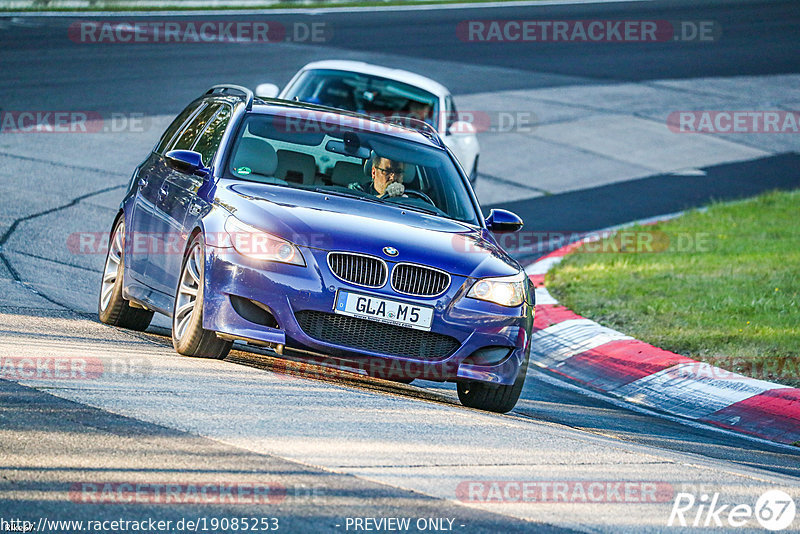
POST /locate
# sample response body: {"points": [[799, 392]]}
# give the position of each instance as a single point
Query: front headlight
{"points": [[505, 291], [254, 243]]}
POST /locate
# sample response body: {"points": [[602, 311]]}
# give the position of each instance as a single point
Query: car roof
{"points": [[376, 70], [304, 110]]}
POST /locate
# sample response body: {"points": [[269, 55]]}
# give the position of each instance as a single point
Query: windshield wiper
{"points": [[369, 198], [414, 207], [378, 200]]}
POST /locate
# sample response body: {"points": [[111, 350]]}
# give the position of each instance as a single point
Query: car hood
{"points": [[330, 222]]}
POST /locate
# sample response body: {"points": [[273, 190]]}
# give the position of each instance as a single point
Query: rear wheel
{"points": [[188, 335], [491, 397], [112, 308]]}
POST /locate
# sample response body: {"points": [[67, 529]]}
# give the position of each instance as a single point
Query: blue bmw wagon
{"points": [[325, 233]]}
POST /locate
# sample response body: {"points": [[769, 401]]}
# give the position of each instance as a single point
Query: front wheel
{"points": [[490, 397], [112, 308], [188, 335]]}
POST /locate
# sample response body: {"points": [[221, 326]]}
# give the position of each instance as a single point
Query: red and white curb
{"points": [[605, 360]]}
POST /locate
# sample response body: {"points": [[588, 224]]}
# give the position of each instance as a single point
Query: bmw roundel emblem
{"points": [[390, 251]]}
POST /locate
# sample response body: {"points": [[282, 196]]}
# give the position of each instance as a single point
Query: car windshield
{"points": [[371, 95], [335, 154]]}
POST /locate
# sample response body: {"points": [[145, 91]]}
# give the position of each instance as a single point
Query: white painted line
{"points": [[628, 405], [689, 172], [563, 340], [542, 266], [693, 389], [309, 11], [543, 296]]}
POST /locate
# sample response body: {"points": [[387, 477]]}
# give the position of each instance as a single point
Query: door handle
{"points": [[162, 192], [143, 181]]}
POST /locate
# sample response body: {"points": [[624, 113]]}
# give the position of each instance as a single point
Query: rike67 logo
{"points": [[774, 510]]}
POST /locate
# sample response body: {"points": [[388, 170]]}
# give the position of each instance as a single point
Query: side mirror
{"points": [[267, 90], [503, 221], [185, 161], [461, 128]]}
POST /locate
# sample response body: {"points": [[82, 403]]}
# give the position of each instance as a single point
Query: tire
{"points": [[490, 397], [188, 335], [112, 308]]}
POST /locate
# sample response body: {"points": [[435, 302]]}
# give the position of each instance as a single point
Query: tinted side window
{"points": [[175, 126], [452, 113], [190, 134], [208, 143]]}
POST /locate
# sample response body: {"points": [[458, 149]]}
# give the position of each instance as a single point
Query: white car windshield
{"points": [[364, 93]]}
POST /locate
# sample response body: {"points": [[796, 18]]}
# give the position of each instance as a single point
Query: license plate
{"points": [[384, 310]]}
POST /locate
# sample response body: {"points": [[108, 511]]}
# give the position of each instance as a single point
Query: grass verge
{"points": [[720, 286]]}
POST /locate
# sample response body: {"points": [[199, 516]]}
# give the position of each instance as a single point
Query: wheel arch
{"points": [[120, 214], [197, 230]]}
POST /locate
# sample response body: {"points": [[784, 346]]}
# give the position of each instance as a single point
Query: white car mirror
{"points": [[267, 90]]}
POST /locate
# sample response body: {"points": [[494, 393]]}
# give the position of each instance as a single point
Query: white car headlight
{"points": [[505, 291], [254, 243]]}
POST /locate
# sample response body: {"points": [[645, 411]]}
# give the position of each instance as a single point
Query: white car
{"points": [[375, 90]]}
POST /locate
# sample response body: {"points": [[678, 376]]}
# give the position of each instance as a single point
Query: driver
{"points": [[420, 111], [387, 178]]}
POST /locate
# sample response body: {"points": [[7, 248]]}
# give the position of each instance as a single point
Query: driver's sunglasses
{"points": [[391, 172]]}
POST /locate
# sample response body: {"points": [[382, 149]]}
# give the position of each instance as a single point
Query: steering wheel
{"points": [[420, 194]]}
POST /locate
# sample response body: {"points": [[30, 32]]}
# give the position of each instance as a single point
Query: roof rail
{"points": [[419, 125], [224, 87]]}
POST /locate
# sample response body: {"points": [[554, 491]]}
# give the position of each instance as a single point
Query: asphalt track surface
{"points": [[50, 443], [43, 68]]}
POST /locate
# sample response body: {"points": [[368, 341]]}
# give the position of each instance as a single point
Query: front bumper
{"points": [[285, 290]]}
